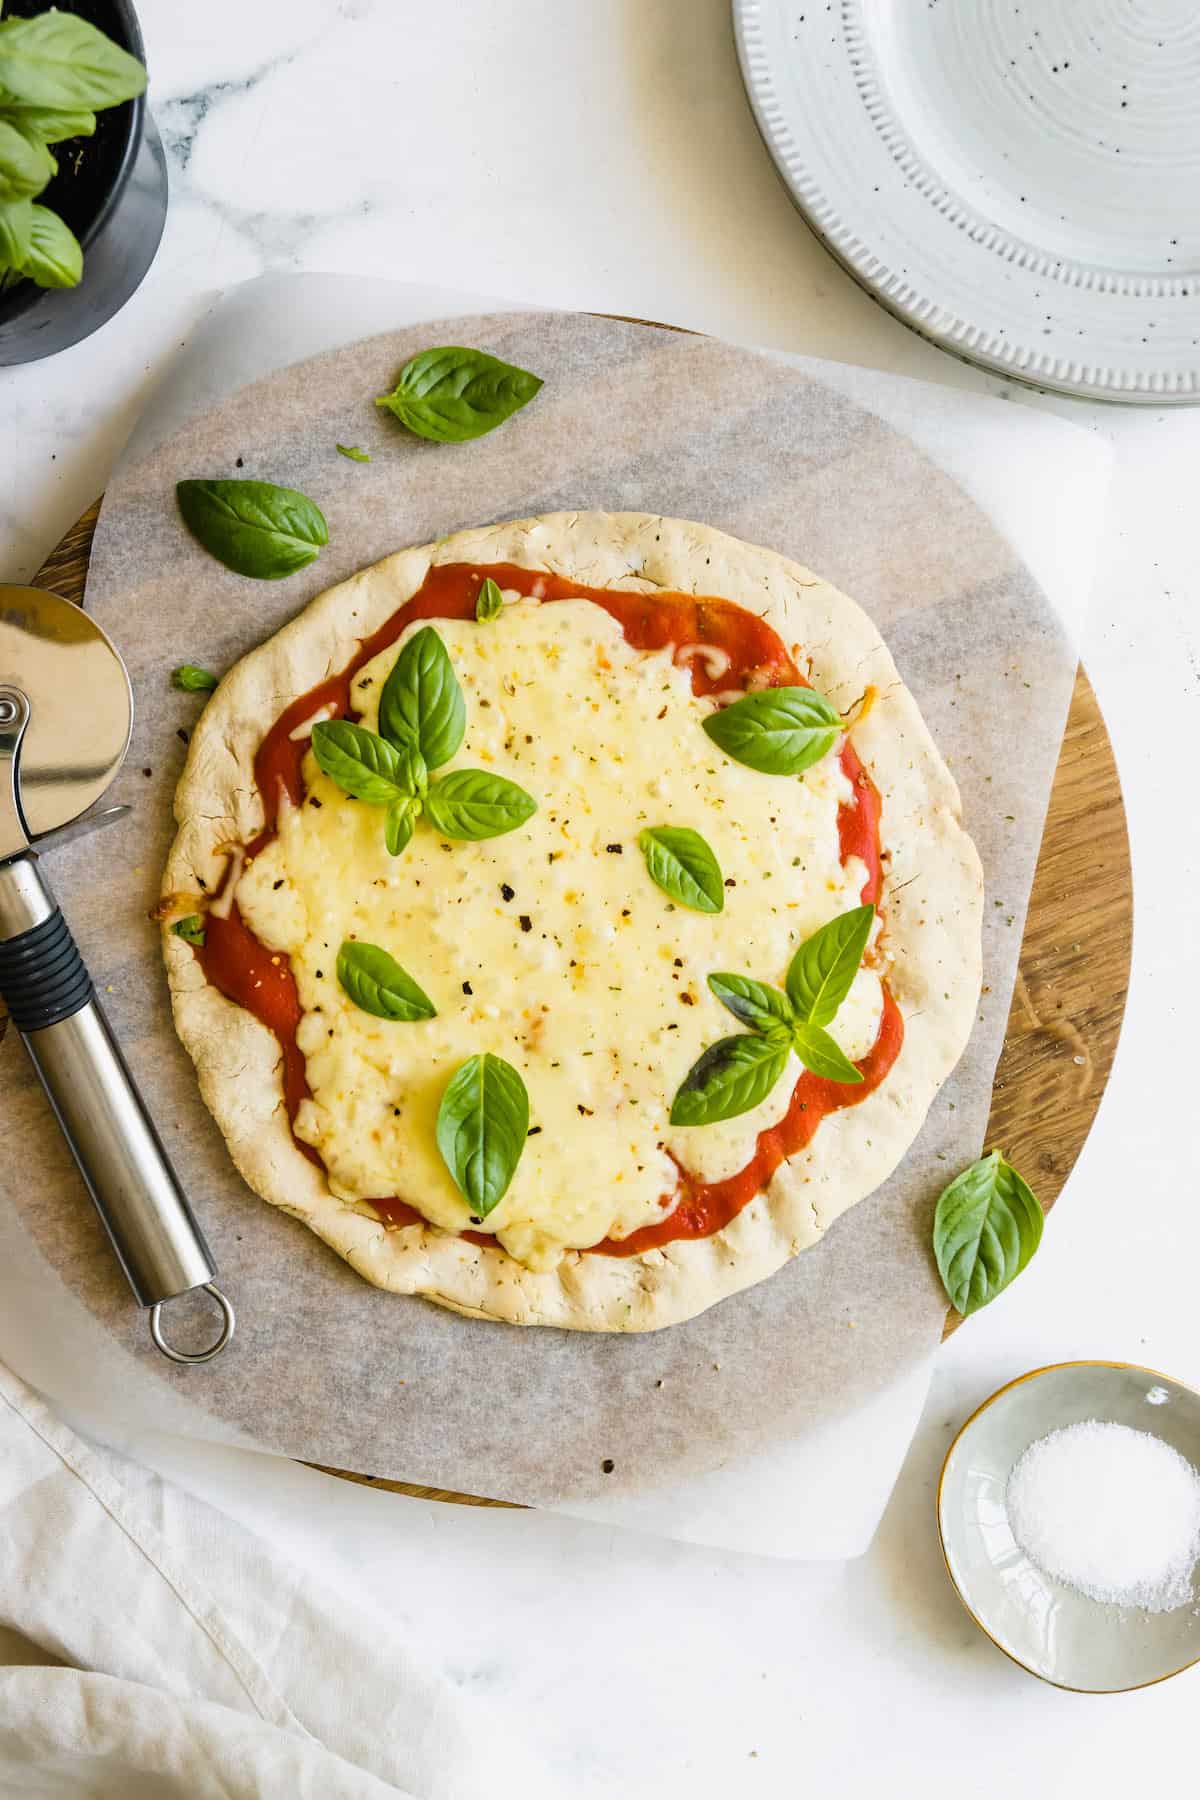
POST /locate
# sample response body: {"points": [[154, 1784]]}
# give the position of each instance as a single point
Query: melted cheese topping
{"points": [[551, 946]]}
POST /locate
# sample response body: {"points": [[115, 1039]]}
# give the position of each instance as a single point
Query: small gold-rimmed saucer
{"points": [[1048, 1628]]}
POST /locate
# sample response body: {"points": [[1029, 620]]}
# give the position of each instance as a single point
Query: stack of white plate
{"points": [[1019, 180]]}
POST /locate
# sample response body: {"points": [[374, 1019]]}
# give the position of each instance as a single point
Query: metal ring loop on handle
{"points": [[228, 1326]]}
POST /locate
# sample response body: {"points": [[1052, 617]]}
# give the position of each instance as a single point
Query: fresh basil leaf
{"points": [[414, 773], [680, 862], [253, 527], [825, 965], [55, 257], [402, 816], [193, 680], [363, 765], [731, 1077], [16, 233], [352, 453], [453, 394], [780, 731], [489, 602], [421, 702], [54, 125], [191, 929], [469, 803], [25, 163], [986, 1228], [377, 984], [56, 59], [753, 1002], [819, 1054], [481, 1127]]}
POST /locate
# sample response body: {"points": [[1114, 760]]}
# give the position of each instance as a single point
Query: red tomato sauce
{"points": [[246, 972]]}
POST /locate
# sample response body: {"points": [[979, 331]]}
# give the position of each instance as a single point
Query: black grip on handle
{"points": [[42, 975]]}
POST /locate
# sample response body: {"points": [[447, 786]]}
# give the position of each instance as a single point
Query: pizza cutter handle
{"points": [[53, 1005]]}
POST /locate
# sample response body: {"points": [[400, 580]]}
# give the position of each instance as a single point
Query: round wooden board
{"points": [[1072, 980]]}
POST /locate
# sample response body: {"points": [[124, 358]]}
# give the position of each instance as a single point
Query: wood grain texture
{"points": [[1072, 979], [413, 1491], [65, 569]]}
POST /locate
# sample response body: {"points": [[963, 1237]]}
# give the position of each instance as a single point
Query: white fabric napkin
{"points": [[149, 1646]]}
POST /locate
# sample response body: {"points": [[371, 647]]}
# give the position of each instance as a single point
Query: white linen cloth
{"points": [[150, 1646]]}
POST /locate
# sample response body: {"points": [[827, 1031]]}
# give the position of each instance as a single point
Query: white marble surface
{"points": [[599, 153]]}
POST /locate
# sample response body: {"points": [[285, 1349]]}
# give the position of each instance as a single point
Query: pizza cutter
{"points": [[66, 712]]}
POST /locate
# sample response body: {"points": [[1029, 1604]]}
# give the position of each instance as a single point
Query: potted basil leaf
{"points": [[83, 182]]}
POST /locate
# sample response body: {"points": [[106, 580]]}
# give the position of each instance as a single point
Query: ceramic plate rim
{"points": [[799, 169]]}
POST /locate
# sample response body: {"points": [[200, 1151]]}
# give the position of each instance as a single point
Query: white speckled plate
{"points": [[1018, 180], [1047, 1627]]}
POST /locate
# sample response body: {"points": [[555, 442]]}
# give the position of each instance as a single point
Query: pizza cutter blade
{"points": [[66, 712]]}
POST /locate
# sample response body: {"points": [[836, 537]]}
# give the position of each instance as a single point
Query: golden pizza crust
{"points": [[932, 898]]}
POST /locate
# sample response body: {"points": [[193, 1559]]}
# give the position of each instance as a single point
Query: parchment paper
{"points": [[324, 1367]]}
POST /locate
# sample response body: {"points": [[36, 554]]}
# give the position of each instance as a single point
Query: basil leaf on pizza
{"points": [[377, 984], [753, 1002], [365, 766], [818, 980], [680, 862], [414, 774], [471, 804], [987, 1225], [489, 603], [482, 1124], [780, 731], [422, 702], [253, 527], [191, 929], [423, 718], [821, 1056], [821, 972], [399, 824], [731, 1077], [453, 394]]}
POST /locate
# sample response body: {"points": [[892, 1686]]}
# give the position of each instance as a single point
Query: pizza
{"points": [[570, 919]]}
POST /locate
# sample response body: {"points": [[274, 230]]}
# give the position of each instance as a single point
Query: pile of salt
{"points": [[1114, 1513]]}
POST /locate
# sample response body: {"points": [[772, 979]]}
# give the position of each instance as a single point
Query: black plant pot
{"points": [[111, 189]]}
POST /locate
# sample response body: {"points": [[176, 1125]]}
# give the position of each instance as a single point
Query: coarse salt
{"points": [[1112, 1512]]}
